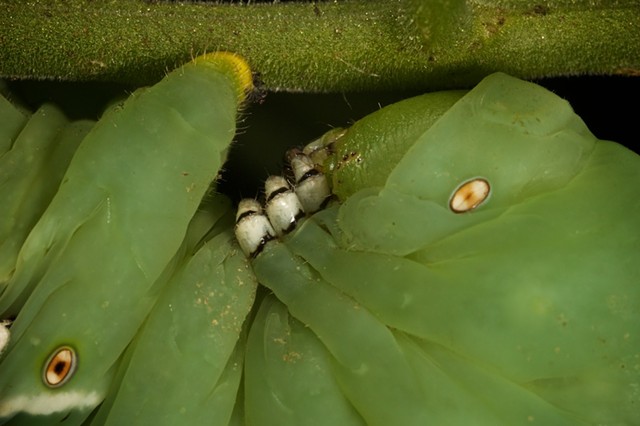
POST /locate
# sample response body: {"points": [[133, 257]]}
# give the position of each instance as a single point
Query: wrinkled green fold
{"points": [[520, 310]]}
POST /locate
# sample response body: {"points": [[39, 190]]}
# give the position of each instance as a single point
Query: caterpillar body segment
{"points": [[365, 154], [368, 364], [191, 346], [96, 260], [30, 174]]}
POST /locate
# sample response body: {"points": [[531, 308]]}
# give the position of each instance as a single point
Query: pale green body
{"points": [[184, 365], [522, 310], [392, 309], [91, 268], [369, 150], [30, 173]]}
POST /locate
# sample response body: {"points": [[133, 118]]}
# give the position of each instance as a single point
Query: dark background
{"points": [[609, 106]]}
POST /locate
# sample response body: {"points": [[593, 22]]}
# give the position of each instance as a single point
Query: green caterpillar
{"points": [[489, 276], [30, 172], [92, 267], [481, 268], [182, 366]]}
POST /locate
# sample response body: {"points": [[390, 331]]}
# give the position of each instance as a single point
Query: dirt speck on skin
{"points": [[292, 357]]}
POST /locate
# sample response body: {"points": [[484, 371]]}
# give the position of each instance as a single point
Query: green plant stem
{"points": [[323, 46]]}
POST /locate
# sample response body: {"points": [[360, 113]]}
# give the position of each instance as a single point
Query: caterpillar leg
{"points": [[283, 206], [253, 229], [311, 184]]}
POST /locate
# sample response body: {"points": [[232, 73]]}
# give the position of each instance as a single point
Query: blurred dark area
{"points": [[608, 105]]}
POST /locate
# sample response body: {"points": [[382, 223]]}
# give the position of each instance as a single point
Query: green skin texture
{"points": [[117, 220], [283, 353], [524, 309], [368, 152], [30, 173], [13, 120], [192, 333]]}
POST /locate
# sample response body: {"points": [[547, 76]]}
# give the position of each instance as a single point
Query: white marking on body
{"points": [[5, 334], [108, 210], [50, 402], [253, 230], [282, 205], [469, 195], [312, 187]]}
